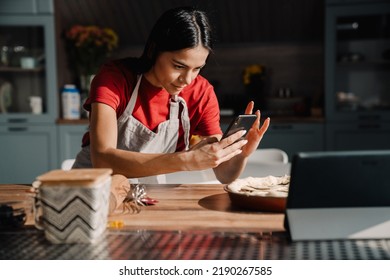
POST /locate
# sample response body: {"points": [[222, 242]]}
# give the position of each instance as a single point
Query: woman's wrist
{"points": [[184, 161]]}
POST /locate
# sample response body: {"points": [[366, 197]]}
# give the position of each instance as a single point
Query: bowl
{"points": [[266, 194], [257, 203]]}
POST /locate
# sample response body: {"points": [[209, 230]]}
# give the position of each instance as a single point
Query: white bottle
{"points": [[70, 102]]}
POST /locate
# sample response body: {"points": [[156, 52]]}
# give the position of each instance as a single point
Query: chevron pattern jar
{"points": [[72, 206]]}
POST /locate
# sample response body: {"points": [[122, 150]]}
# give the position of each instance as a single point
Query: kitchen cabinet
{"points": [[294, 137], [357, 136], [28, 90], [69, 140], [357, 71], [26, 152], [27, 68], [13, 7]]}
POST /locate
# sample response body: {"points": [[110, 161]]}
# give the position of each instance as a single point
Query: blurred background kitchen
{"points": [[319, 68]]}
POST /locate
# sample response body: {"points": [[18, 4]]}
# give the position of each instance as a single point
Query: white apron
{"points": [[134, 136]]}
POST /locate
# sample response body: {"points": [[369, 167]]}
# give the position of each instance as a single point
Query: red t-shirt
{"points": [[115, 82]]}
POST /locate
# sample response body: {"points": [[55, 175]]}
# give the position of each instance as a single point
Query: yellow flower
{"points": [[251, 70]]}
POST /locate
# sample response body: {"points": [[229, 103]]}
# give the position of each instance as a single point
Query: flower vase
{"points": [[85, 87], [85, 83]]}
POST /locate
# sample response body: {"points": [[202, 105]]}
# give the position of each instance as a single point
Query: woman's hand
{"points": [[232, 169], [210, 152], [256, 133]]}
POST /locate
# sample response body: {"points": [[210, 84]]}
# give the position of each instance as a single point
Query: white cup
{"points": [[27, 62], [36, 104]]}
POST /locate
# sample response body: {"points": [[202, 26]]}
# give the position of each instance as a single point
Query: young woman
{"points": [[144, 111]]}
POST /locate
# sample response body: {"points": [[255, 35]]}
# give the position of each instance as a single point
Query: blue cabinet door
{"points": [[358, 136], [26, 152], [30, 37], [69, 140], [294, 137]]}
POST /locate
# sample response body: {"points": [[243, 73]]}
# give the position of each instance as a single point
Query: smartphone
{"points": [[241, 122]]}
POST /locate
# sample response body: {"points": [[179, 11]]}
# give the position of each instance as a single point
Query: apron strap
{"points": [[185, 120], [130, 106]]}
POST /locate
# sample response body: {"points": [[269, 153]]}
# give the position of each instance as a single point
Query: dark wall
{"points": [[285, 36], [235, 21]]}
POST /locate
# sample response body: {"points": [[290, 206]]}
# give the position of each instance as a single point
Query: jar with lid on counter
{"points": [[70, 102]]}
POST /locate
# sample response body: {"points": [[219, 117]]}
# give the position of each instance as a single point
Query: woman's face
{"points": [[173, 71]]}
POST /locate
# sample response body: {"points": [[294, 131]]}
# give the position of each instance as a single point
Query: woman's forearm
{"points": [[135, 164], [230, 170]]}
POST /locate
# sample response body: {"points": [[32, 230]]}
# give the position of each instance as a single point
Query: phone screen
{"points": [[241, 122]]}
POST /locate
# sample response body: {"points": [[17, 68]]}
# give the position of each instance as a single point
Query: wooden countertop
{"points": [[180, 207], [197, 207]]}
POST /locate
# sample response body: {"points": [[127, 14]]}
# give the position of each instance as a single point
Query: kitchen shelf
{"points": [[21, 70], [368, 63], [75, 122]]}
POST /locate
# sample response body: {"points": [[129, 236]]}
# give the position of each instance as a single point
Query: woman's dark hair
{"points": [[176, 29]]}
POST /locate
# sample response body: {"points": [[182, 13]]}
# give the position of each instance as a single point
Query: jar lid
{"points": [[69, 86], [82, 176]]}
